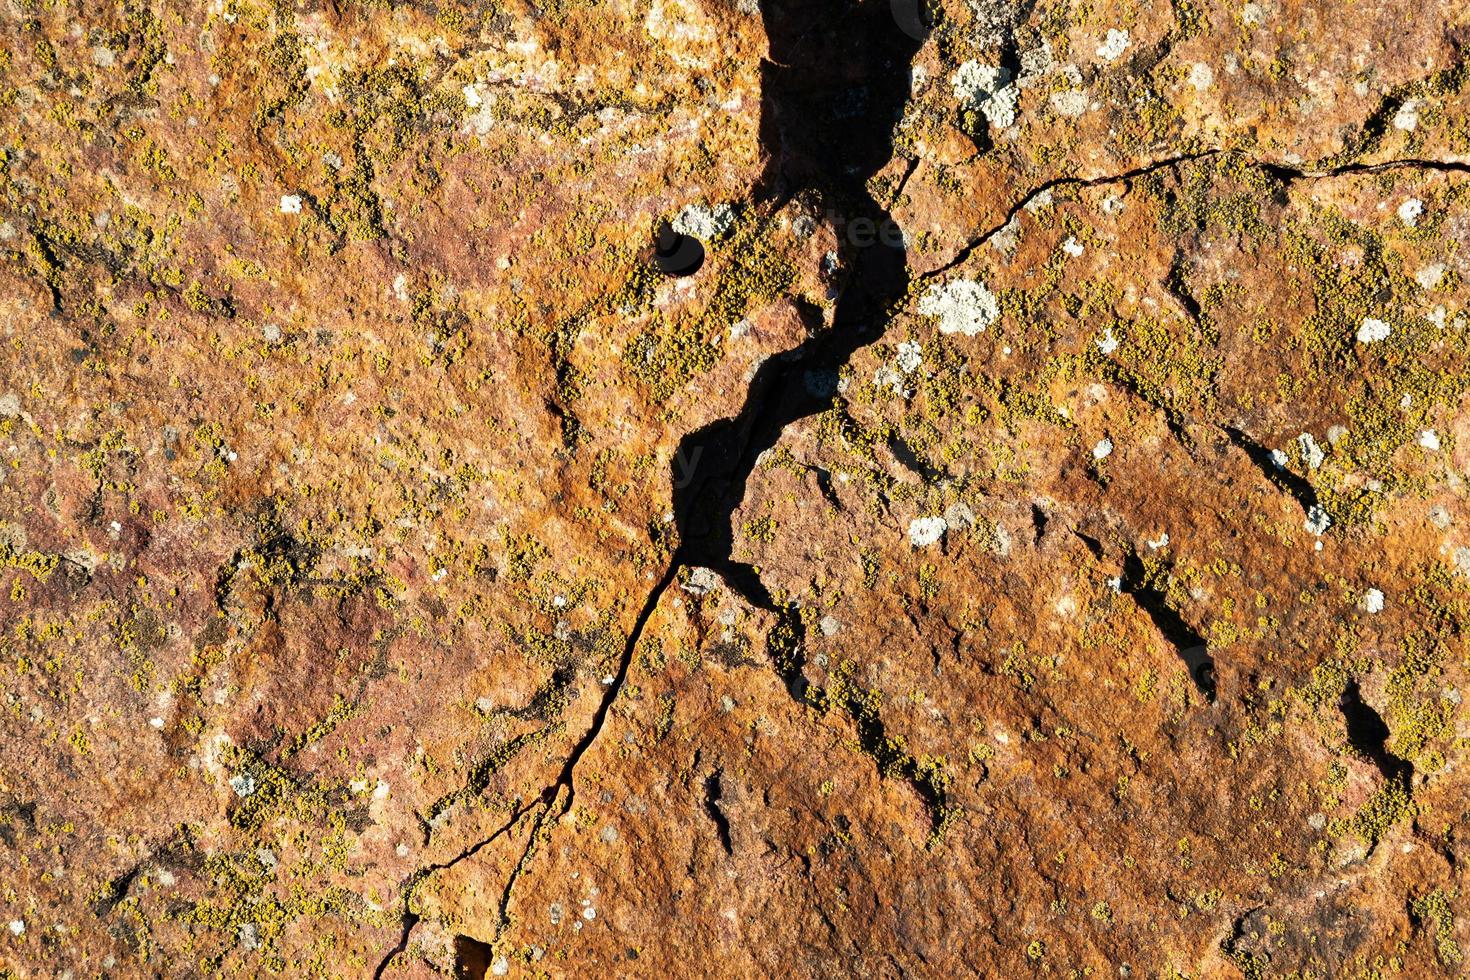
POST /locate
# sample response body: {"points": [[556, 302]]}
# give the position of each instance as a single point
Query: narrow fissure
{"points": [[788, 387], [1298, 487], [547, 796], [1285, 174], [1188, 644], [713, 792]]}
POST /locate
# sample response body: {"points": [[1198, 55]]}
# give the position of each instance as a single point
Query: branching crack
{"points": [[547, 800], [1285, 174], [773, 403], [1031, 196]]}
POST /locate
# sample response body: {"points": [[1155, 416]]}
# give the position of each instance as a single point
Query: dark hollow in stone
{"points": [[676, 254], [833, 87], [471, 958]]}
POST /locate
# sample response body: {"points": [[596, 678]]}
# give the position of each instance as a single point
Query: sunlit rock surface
{"points": [[1105, 616]]}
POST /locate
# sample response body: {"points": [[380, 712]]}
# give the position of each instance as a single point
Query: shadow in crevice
{"points": [[471, 958], [834, 86], [1284, 479], [1188, 643], [714, 792], [1369, 735]]}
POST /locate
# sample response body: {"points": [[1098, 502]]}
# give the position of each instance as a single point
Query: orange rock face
{"points": [[1033, 542]]}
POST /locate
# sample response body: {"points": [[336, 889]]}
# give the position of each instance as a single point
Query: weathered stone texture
{"points": [[1109, 620]]}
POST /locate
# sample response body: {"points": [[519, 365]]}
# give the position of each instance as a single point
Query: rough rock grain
{"points": [[1034, 546]]}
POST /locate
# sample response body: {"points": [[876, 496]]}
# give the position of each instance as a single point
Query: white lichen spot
{"points": [[924, 531], [1035, 63], [1072, 247], [1069, 104], [703, 222], [472, 96], [959, 514], [1373, 331], [243, 784], [290, 203], [1103, 449], [986, 88], [1372, 602], [1107, 343], [1410, 212], [1114, 45], [1312, 453], [701, 581], [1407, 118], [1279, 459], [1009, 236], [17, 927], [829, 625], [1317, 520], [887, 377], [963, 306], [1430, 276], [1201, 76], [910, 356], [918, 78], [1162, 541], [1429, 439], [500, 967]]}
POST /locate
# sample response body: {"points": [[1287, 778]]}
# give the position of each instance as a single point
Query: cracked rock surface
{"points": [[1033, 543]]}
